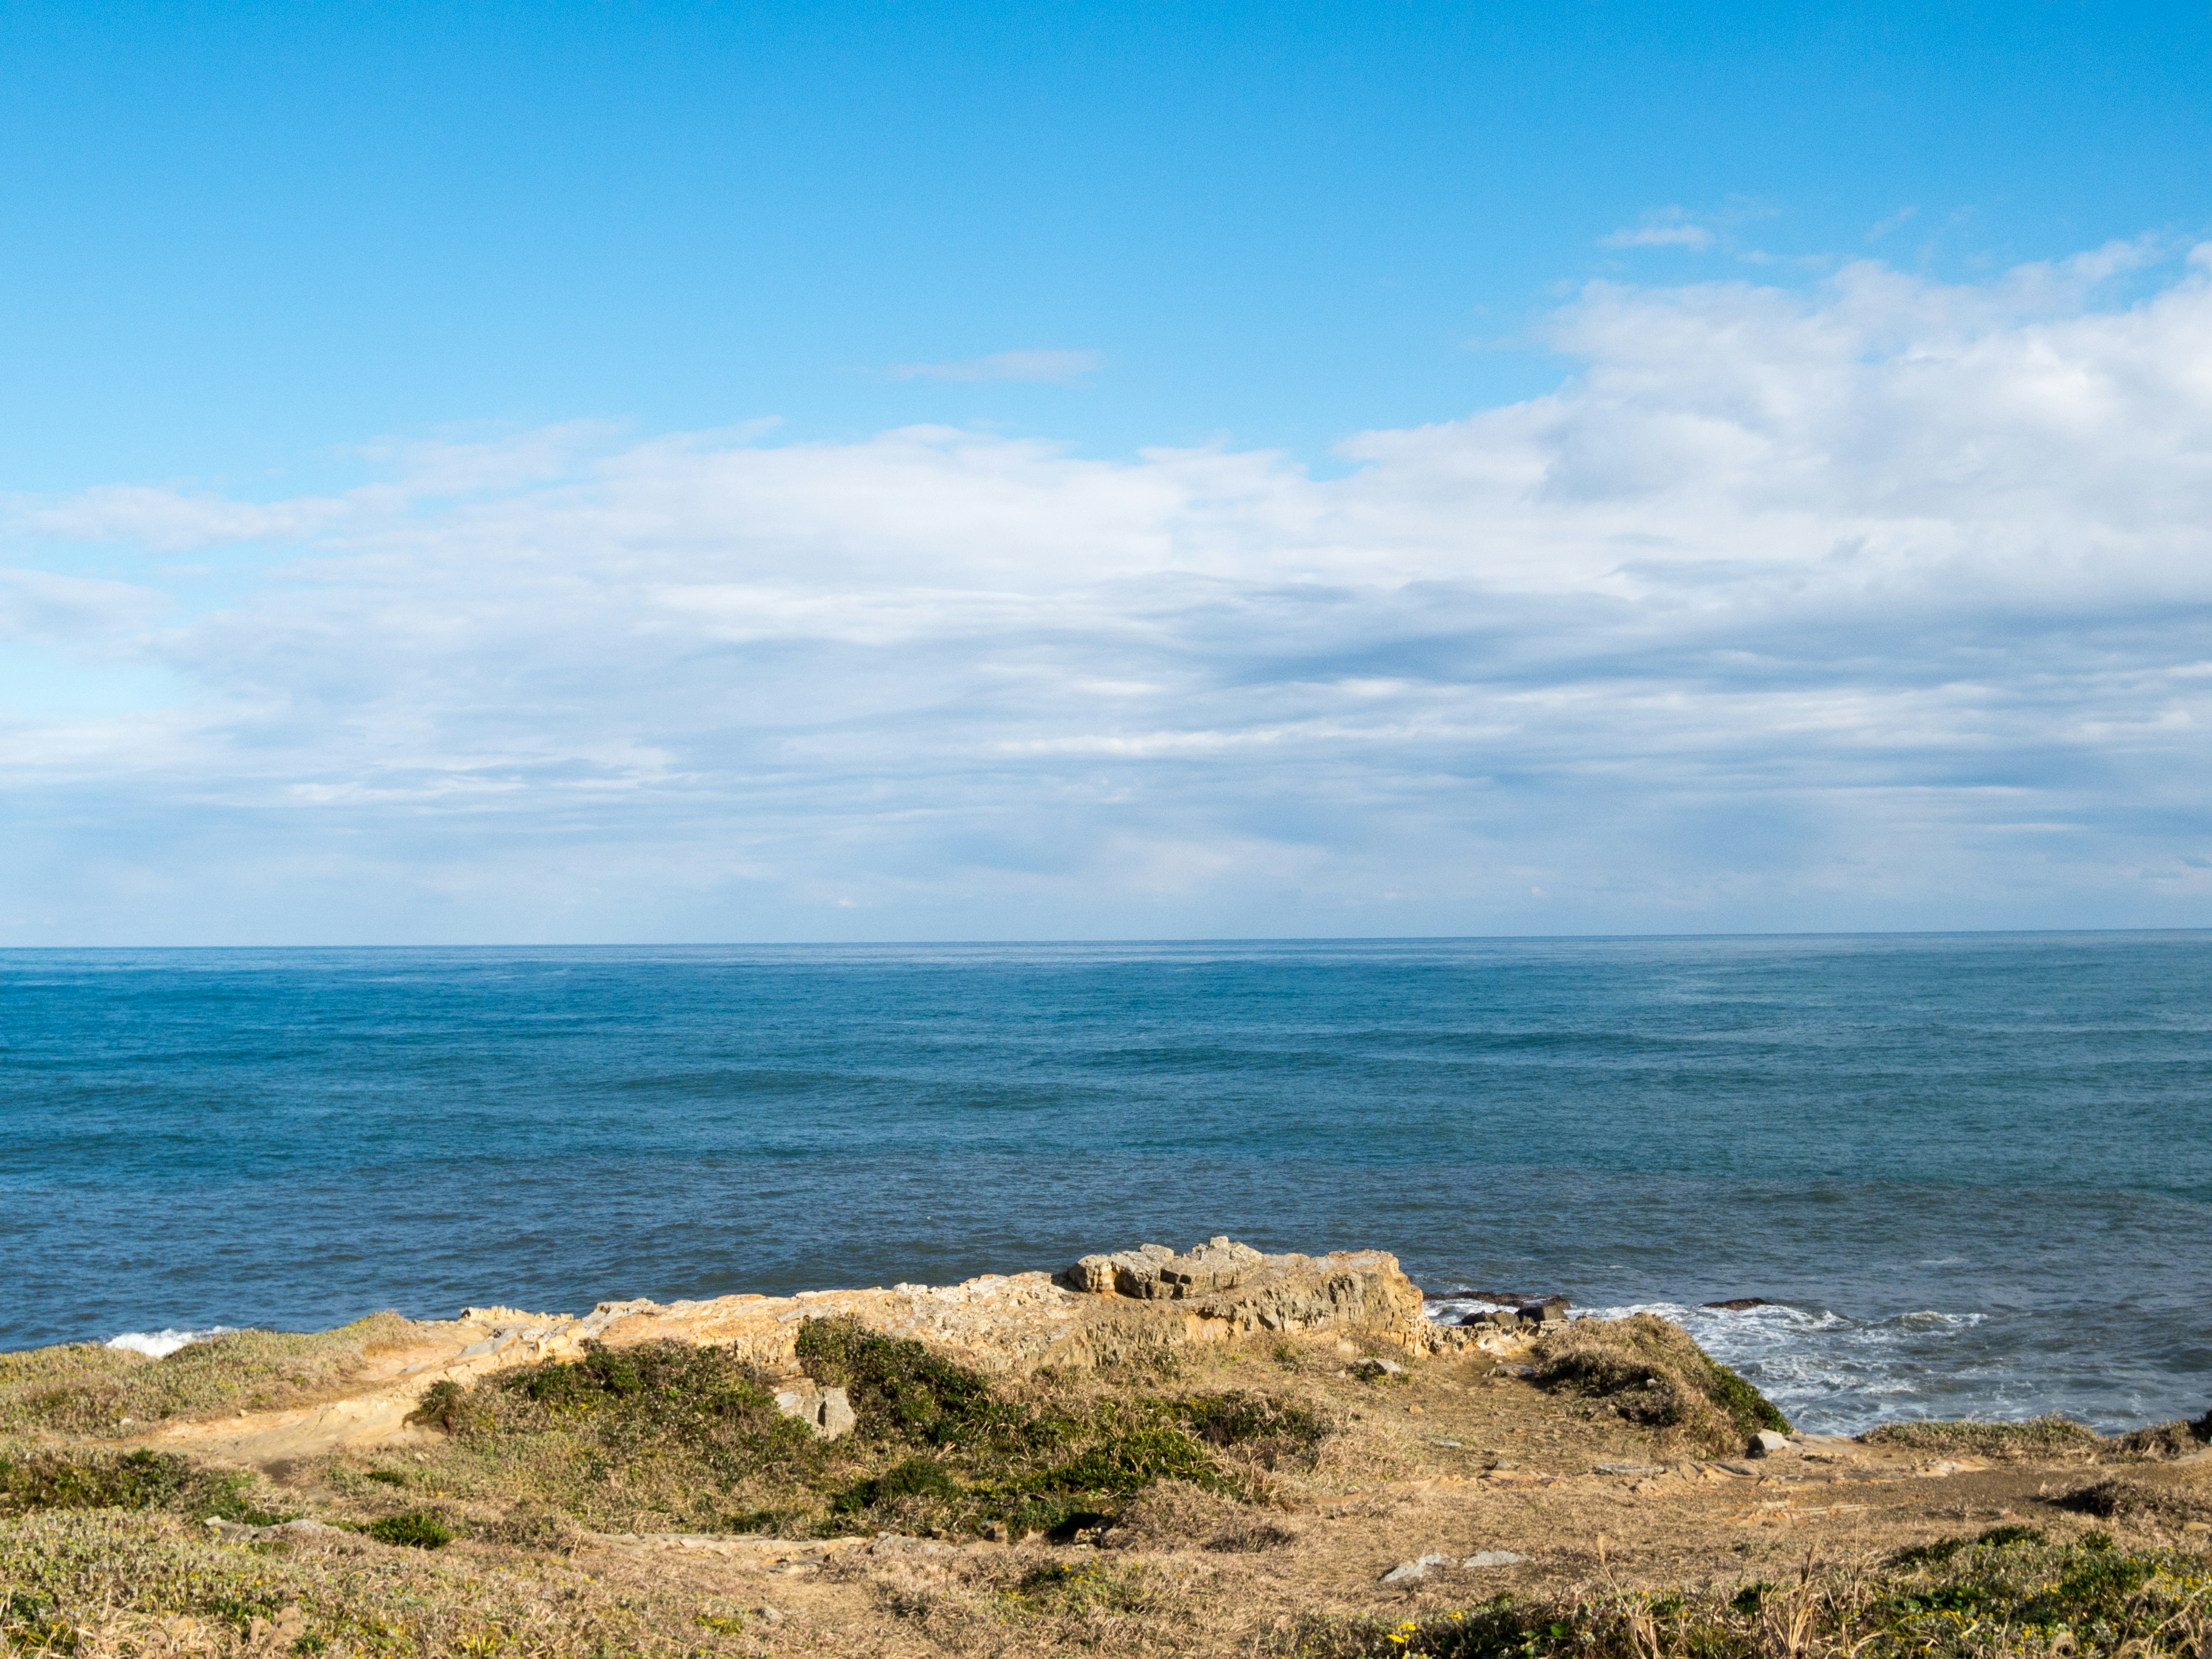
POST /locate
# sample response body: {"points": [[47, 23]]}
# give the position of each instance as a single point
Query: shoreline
{"points": [[1213, 1452]]}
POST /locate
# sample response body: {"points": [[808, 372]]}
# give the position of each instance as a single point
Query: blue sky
{"points": [[777, 472]]}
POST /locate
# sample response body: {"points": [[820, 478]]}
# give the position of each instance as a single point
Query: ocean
{"points": [[1971, 1175]]}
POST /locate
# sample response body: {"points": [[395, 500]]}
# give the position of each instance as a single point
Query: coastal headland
{"points": [[1205, 1451]]}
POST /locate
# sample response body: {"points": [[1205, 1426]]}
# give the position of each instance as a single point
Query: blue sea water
{"points": [[1974, 1172]]}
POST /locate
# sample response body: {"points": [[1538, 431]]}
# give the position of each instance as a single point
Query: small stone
{"points": [[1493, 1558], [1766, 1444], [1373, 1369], [1416, 1569], [768, 1614]]}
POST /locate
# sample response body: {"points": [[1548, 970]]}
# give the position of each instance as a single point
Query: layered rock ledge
{"points": [[1106, 1310]]}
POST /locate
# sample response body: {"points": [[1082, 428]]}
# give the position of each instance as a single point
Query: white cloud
{"points": [[1049, 366], [1667, 227], [1880, 602]]}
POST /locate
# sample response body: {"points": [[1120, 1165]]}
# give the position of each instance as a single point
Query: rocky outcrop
{"points": [[1109, 1309], [1106, 1308]]}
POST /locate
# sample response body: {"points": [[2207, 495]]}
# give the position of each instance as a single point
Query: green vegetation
{"points": [[106, 1582], [666, 1437], [84, 1388], [2006, 1593], [419, 1528], [2120, 1497], [2037, 1438], [43, 1480], [1944, 1548], [1650, 1372]]}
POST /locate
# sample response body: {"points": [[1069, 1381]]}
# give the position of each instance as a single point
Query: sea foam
{"points": [[160, 1345]]}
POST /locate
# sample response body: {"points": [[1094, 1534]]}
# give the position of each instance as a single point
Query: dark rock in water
{"points": [[1740, 1304], [1551, 1311]]}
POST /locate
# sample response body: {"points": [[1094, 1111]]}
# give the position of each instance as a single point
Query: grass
{"points": [[83, 1388], [419, 1529], [2120, 1496], [39, 1479], [2008, 1592], [666, 1436], [2037, 1437], [1650, 1372], [105, 1582]]}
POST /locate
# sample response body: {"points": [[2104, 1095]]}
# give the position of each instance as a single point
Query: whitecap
{"points": [[160, 1345]]}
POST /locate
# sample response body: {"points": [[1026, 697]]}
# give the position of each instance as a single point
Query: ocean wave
{"points": [[1838, 1374], [160, 1345]]}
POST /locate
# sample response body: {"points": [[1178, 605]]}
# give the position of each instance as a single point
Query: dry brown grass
{"points": [[1650, 1372], [2163, 1442], [2039, 1437], [82, 1388], [2119, 1496]]}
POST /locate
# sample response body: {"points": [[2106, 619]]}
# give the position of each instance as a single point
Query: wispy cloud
{"points": [[1664, 227], [1896, 221], [1882, 601], [1048, 367]]}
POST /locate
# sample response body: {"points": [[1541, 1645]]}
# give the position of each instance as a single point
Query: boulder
{"points": [[1126, 1273], [827, 1412], [1766, 1444]]}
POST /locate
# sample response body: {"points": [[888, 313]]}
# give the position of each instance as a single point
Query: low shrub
{"points": [[421, 1529], [1651, 1372], [2163, 1442], [666, 1435], [130, 1480], [898, 1388], [1996, 1596], [1944, 1548], [2037, 1436], [2118, 1497]]}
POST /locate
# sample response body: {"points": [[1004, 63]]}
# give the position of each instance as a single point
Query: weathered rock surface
{"points": [[828, 1412], [1147, 1300]]}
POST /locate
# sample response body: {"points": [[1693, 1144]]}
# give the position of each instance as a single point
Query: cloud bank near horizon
{"points": [[1881, 603]]}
